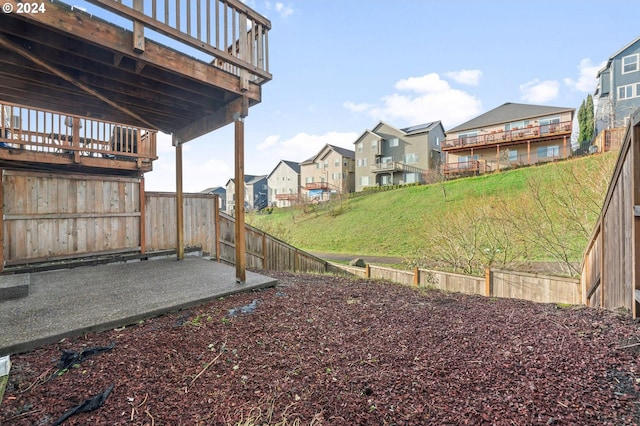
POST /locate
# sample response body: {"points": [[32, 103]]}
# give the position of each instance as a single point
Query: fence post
{"points": [[487, 282], [216, 225], [367, 271], [416, 276]]}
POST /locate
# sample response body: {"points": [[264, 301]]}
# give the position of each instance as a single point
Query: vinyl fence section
{"points": [[610, 269]]}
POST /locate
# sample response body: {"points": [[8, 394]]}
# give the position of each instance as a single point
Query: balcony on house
{"points": [[311, 186], [530, 133], [183, 67], [462, 168], [394, 166], [49, 140]]}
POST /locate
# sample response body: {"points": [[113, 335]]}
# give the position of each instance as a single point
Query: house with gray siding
{"points": [[283, 184], [255, 193], [221, 192], [617, 93], [389, 156]]}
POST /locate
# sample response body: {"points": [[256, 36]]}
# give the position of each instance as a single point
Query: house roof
{"points": [[615, 55], [291, 164], [408, 131], [342, 151], [214, 190], [249, 179], [508, 112]]}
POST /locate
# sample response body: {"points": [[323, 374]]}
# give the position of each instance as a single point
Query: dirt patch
{"points": [[328, 350]]}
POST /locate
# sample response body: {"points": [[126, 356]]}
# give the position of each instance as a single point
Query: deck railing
{"points": [[395, 166], [234, 35], [464, 167], [46, 131], [497, 137]]}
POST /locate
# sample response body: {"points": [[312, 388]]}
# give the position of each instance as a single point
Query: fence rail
{"points": [[232, 33], [45, 131]]}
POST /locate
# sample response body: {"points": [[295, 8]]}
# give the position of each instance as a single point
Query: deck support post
{"points": [[179, 201], [241, 255]]}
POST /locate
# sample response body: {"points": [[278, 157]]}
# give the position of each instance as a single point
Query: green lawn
{"points": [[407, 222]]}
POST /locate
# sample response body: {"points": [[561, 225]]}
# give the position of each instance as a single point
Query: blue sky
{"points": [[341, 66]]}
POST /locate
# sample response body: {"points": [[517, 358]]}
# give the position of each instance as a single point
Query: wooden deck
{"points": [[532, 134], [48, 140], [184, 67]]}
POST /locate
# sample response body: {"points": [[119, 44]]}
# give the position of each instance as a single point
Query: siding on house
{"points": [[331, 171], [617, 95], [389, 156], [284, 184]]}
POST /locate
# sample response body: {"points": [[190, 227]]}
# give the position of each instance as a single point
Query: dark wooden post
{"points": [[138, 28], [179, 201], [241, 255]]}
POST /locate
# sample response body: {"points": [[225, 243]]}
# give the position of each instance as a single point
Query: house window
{"points": [[374, 144], [626, 92], [337, 162], [364, 180], [318, 165], [309, 179], [437, 140], [362, 162], [393, 142], [513, 155], [387, 160], [385, 180], [411, 177], [467, 138], [630, 63], [410, 158], [359, 146], [549, 151]]}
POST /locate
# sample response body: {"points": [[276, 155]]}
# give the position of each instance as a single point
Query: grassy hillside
{"points": [[498, 218]]}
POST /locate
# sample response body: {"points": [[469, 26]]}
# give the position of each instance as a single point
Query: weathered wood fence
{"points": [[495, 283], [62, 217], [610, 268]]}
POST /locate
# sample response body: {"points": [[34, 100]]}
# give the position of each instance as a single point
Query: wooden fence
{"points": [[55, 216], [496, 283], [610, 268]]}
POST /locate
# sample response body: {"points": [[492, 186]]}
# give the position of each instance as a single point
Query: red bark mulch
{"points": [[325, 350]]}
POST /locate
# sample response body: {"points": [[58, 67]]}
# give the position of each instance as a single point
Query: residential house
{"points": [[331, 171], [390, 156], [509, 135], [284, 184], [617, 93], [255, 193], [221, 192]]}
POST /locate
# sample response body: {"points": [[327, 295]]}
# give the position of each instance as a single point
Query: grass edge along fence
{"points": [[496, 283]]}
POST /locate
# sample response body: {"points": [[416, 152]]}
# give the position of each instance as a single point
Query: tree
{"points": [[585, 120]]}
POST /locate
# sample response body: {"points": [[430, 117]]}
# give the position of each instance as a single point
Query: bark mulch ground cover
{"points": [[325, 350]]}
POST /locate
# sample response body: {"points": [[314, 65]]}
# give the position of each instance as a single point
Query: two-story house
{"points": [[390, 156], [284, 184], [255, 193], [617, 93], [221, 192], [509, 135], [330, 171]]}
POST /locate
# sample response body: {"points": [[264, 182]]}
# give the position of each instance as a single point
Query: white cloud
{"points": [[537, 91], [284, 10], [353, 107], [422, 99], [468, 77], [587, 72], [301, 146]]}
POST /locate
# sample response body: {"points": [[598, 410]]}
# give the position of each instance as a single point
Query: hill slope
{"points": [[537, 213]]}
